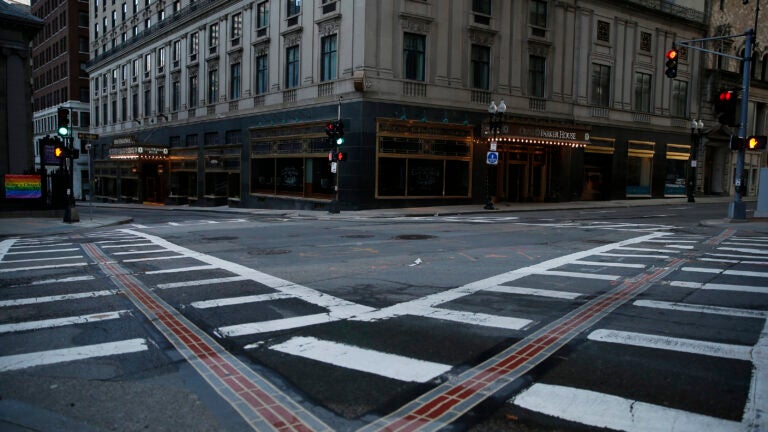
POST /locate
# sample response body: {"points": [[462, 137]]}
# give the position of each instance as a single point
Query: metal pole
{"points": [[692, 172], [737, 208]]}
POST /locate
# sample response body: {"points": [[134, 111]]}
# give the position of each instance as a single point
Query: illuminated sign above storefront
{"points": [[559, 135]]}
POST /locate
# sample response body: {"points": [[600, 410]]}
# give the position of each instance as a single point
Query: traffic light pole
{"points": [[335, 207]]}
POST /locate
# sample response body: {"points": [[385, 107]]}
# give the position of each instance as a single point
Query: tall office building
{"points": [[59, 79], [227, 102]]}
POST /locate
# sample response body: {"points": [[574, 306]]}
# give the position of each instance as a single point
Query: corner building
{"points": [[225, 102]]}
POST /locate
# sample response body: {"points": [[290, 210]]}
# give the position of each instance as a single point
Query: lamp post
{"points": [[496, 118], [697, 129]]}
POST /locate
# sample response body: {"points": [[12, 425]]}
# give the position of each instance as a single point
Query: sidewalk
{"points": [[22, 226]]}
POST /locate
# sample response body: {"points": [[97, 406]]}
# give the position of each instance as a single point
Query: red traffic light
{"points": [[330, 129], [672, 54], [726, 96], [342, 156]]}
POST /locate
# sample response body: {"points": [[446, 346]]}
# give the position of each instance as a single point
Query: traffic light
{"points": [[757, 142], [726, 105], [342, 156], [339, 132], [60, 151], [333, 156], [330, 129], [737, 143], [63, 115], [672, 57]]}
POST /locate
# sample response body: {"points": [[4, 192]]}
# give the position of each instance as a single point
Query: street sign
{"points": [[492, 158], [87, 136], [493, 146]]}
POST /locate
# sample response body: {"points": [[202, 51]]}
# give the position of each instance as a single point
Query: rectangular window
{"points": [[160, 98], [234, 83], [642, 92], [194, 44], [135, 106], [236, 27], [124, 109], [176, 53], [262, 74], [213, 86], [147, 63], [603, 31], [213, 37], [679, 104], [601, 85], [160, 58], [192, 91], [175, 95], [537, 69], [262, 15], [292, 67], [328, 58], [414, 56], [538, 13], [294, 7], [147, 101], [481, 67]]}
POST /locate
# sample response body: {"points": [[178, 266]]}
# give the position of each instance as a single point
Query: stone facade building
{"points": [[227, 102]]}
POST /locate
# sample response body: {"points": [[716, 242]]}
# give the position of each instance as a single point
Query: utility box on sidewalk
{"points": [[762, 194]]}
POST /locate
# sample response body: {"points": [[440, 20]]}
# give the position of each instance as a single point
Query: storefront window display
{"points": [[640, 168], [677, 169]]}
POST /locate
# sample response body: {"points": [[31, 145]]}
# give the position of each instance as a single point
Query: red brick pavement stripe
{"points": [[268, 408]]}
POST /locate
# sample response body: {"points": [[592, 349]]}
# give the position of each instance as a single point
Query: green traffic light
{"points": [[64, 131], [339, 140]]}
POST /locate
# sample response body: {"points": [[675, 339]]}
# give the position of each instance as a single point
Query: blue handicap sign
{"points": [[492, 158]]}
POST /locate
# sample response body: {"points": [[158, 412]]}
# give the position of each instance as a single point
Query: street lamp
{"points": [[495, 121], [697, 129]]}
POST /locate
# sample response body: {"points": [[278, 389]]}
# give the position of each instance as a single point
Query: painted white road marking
{"points": [[579, 275], [274, 325], [691, 346], [473, 318], [60, 322], [23, 361], [48, 299], [745, 250], [716, 310], [141, 252], [205, 304], [614, 412], [720, 287], [533, 292], [45, 267], [43, 259], [608, 264], [200, 282], [182, 269], [43, 251], [364, 360], [609, 254]]}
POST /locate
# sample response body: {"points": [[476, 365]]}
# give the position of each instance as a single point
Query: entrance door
{"points": [[150, 189], [517, 184]]}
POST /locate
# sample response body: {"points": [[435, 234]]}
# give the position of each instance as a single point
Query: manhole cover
{"points": [[413, 237], [269, 252], [358, 236]]}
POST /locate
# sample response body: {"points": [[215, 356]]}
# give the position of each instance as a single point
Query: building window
{"points": [[292, 67], [213, 86], [213, 37], [642, 92], [481, 67], [537, 69], [603, 31], [262, 15], [234, 83], [262, 74], [147, 101], [160, 59], [538, 13], [601, 85], [294, 7], [679, 104], [135, 106], [192, 91], [414, 56], [646, 40], [147, 63], [237, 28], [176, 53], [160, 98], [481, 6], [175, 95], [194, 45], [328, 58]]}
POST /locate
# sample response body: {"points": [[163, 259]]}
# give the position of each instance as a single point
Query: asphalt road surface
{"points": [[637, 319]]}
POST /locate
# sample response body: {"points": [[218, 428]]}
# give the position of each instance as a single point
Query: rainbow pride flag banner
{"points": [[22, 186]]}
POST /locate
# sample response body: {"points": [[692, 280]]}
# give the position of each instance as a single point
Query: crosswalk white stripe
{"points": [[716, 310], [671, 240], [126, 245], [608, 254], [42, 259], [609, 264], [745, 250], [720, 287], [48, 299], [23, 361], [29, 246], [579, 275], [691, 346], [273, 325], [351, 357], [608, 411], [473, 318], [701, 270], [725, 272], [52, 266], [153, 258], [62, 280], [639, 249], [181, 269], [140, 252], [230, 301], [60, 322], [533, 292], [744, 257], [43, 251], [200, 282]]}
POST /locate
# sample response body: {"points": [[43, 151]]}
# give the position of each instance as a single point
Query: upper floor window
{"points": [[262, 74], [481, 6], [601, 85], [176, 55], [414, 53], [642, 92], [262, 15], [646, 41], [236, 29], [538, 13], [480, 68], [537, 70], [194, 43], [328, 58], [679, 104], [213, 36], [604, 31], [294, 7], [160, 58], [292, 67]]}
